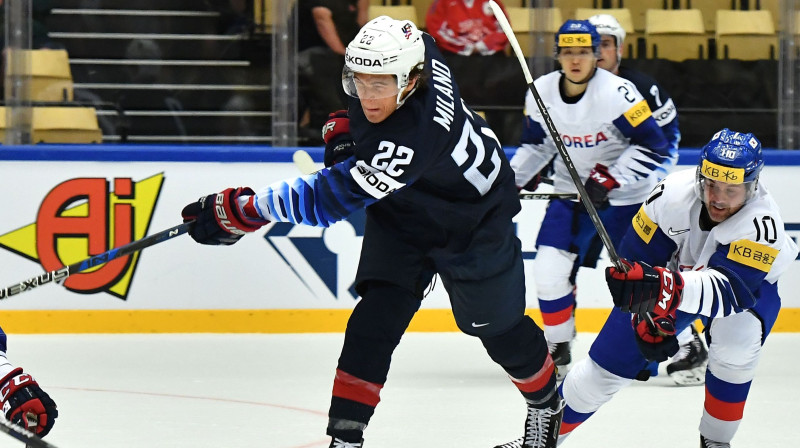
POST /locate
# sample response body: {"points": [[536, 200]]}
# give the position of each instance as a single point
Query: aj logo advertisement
{"points": [[82, 217]]}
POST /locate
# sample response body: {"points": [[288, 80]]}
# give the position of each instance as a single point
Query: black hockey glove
{"points": [[656, 341], [339, 144], [218, 219], [643, 288], [599, 184], [24, 403], [532, 184]]}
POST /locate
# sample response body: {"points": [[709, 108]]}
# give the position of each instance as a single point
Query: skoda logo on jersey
{"points": [[324, 260]]}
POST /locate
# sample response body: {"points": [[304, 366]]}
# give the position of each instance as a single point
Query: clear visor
{"points": [[722, 194], [369, 86]]}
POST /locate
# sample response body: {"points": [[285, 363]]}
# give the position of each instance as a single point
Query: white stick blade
{"points": [[303, 161]]}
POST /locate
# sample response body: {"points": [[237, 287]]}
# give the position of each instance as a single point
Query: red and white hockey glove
{"points": [[26, 404], [339, 144], [655, 336], [645, 289], [599, 184], [218, 219]]}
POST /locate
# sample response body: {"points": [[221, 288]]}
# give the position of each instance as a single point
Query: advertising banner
{"points": [[285, 277]]}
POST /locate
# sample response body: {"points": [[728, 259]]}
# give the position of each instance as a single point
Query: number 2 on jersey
{"points": [[390, 156], [470, 141]]}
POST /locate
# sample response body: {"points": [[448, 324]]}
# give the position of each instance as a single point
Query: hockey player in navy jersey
{"points": [[439, 196], [688, 367], [719, 259], [22, 401], [618, 150]]}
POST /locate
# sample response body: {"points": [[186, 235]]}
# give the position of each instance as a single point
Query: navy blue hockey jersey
{"points": [[432, 160]]}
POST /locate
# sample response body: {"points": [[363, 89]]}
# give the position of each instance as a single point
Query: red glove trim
{"points": [[13, 373], [227, 214], [249, 209], [4, 383], [671, 292], [334, 127], [601, 175], [634, 271]]}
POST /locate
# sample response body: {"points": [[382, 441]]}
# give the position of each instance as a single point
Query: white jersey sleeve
{"points": [[722, 268], [537, 148]]}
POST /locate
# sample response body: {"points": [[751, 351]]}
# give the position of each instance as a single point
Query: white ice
{"points": [[273, 391]]}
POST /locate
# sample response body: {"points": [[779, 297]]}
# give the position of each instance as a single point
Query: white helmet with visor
{"points": [[384, 46], [607, 25]]}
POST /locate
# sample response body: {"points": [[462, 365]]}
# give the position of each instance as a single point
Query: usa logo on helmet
{"points": [[407, 30]]}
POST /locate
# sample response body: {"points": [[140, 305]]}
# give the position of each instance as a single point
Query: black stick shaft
{"points": [[587, 203], [61, 274], [548, 196], [23, 435]]}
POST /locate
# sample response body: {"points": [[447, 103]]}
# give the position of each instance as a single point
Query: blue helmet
{"points": [[731, 157], [577, 33]]}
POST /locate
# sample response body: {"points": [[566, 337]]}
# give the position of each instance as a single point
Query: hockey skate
{"points": [[562, 356], [705, 443], [339, 443], [688, 367], [541, 428]]}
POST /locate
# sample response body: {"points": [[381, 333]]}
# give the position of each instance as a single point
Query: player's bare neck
{"points": [[570, 92], [573, 89], [706, 223]]}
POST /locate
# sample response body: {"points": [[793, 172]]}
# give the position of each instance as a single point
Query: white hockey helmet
{"points": [[384, 46], [607, 25]]}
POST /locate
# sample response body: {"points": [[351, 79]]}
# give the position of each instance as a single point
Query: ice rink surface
{"points": [[273, 391]]}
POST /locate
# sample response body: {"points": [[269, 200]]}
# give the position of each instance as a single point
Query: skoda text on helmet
{"points": [[607, 25], [577, 33], [732, 158], [384, 46]]}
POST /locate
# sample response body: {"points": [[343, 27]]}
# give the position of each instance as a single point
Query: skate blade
{"points": [[692, 377], [561, 372]]}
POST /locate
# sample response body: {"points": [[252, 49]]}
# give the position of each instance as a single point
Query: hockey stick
{"points": [[23, 435], [601, 230], [303, 161], [548, 196], [61, 274]]}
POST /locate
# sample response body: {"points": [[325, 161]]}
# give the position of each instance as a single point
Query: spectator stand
{"points": [[170, 65]]}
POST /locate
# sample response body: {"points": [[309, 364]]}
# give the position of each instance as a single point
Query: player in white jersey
{"points": [[22, 401], [718, 260], [688, 367], [617, 149]]}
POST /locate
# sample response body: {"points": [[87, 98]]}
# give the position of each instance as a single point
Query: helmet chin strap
{"points": [[402, 96], [619, 62]]}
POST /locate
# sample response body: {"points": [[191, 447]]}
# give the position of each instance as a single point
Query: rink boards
{"points": [[62, 203]]}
